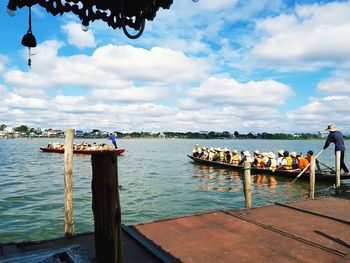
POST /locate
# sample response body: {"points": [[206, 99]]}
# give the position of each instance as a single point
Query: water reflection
{"points": [[216, 179]]}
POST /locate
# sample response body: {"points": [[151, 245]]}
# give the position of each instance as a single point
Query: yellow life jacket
{"points": [[222, 156], [236, 159], [288, 166], [273, 164], [258, 161]]}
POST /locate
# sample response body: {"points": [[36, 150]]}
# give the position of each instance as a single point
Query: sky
{"points": [[224, 65]]}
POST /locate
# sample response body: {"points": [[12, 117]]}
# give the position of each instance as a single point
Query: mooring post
{"points": [[247, 192], [312, 177], [106, 208], [68, 184], [337, 172]]}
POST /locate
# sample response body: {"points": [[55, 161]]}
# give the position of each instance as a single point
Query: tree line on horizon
{"points": [[190, 135]]}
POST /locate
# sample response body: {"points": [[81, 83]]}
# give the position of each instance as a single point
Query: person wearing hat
{"points": [[286, 162], [196, 150], [235, 158], [279, 157], [271, 163], [245, 157], [293, 155], [256, 158], [336, 137]]}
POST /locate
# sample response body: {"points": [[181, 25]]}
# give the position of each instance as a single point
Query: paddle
{"points": [[330, 168], [307, 166]]}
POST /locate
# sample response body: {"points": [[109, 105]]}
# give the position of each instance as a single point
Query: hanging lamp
{"points": [[28, 39]]}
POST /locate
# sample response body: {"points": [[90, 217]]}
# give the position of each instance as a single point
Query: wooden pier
{"points": [[315, 230]]}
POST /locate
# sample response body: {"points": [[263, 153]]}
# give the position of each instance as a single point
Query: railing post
{"points": [[106, 208], [247, 192], [68, 184], [312, 177], [337, 172]]}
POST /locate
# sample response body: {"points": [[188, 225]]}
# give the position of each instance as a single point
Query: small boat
{"points": [[320, 175], [51, 150]]}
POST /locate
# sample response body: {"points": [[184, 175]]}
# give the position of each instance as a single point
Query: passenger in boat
{"points": [[227, 155], [246, 157], [212, 154], [58, 146], [206, 153], [336, 137], [280, 157], [49, 145], [293, 155], [271, 163], [286, 162], [308, 157], [196, 150], [264, 159], [302, 162], [217, 155], [203, 153], [235, 158], [105, 147], [256, 158], [94, 146]]}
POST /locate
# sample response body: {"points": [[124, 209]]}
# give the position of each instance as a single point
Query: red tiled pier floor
{"points": [[318, 232]]}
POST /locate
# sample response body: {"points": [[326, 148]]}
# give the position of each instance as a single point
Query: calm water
{"points": [[158, 181]]}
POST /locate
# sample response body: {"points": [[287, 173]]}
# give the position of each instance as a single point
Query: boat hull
{"points": [[117, 151], [320, 176]]}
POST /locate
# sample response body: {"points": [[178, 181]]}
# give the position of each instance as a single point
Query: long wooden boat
{"points": [[49, 150], [320, 175]]}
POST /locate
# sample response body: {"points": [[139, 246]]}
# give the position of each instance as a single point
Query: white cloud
{"points": [[339, 83], [130, 95], [29, 92], [156, 65], [209, 5], [321, 111], [229, 91], [109, 67], [316, 35], [78, 37], [334, 85]]}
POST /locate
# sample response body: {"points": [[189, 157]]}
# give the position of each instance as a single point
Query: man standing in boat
{"points": [[112, 138], [336, 137]]}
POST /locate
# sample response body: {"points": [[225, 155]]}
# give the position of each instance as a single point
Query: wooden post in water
{"points": [[337, 172], [312, 177], [247, 192], [68, 184], [106, 208]]}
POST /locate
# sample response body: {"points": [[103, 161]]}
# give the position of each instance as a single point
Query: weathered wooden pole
{"points": [[106, 208], [312, 177], [247, 192], [337, 172], [68, 184]]}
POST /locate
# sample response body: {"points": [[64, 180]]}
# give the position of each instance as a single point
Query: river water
{"points": [[157, 179]]}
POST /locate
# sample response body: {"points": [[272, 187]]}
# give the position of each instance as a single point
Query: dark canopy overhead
{"points": [[116, 13]]}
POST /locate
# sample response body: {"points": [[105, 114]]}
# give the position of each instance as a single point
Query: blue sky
{"points": [[225, 65]]}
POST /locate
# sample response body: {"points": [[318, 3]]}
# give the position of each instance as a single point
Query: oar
{"points": [[307, 166], [330, 168]]}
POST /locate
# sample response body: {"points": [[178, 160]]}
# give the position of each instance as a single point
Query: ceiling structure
{"points": [[117, 14]]}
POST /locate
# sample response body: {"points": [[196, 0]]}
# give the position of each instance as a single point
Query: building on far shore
{"points": [[323, 134]]}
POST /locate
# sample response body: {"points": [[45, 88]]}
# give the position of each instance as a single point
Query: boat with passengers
{"points": [[321, 175]]}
